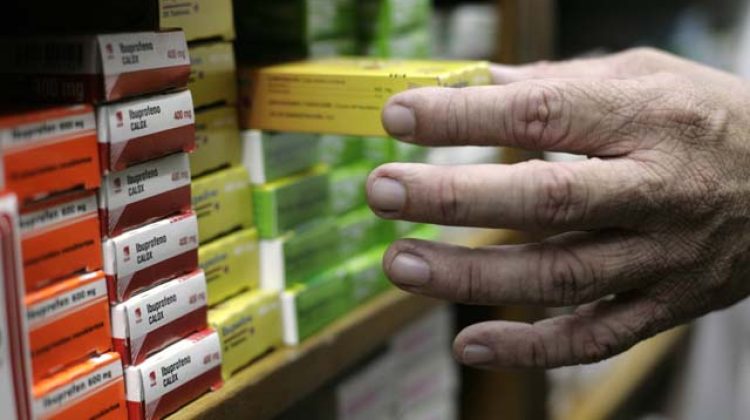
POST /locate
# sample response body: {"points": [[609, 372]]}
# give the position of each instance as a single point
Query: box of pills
{"points": [[217, 140], [270, 156], [284, 204], [307, 308], [48, 152], [144, 193], [200, 19], [158, 317], [173, 377], [295, 22], [347, 187], [231, 264], [365, 275], [414, 43], [68, 322], [15, 366], [368, 392], [92, 389], [146, 128], [144, 257], [59, 238], [336, 150], [249, 325], [93, 68], [311, 96], [386, 18], [360, 230], [299, 254], [213, 74], [222, 201]]}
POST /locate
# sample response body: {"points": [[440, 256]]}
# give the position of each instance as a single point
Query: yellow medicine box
{"points": [[249, 325], [342, 95]]}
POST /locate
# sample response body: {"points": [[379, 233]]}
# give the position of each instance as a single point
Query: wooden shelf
{"points": [[600, 400], [274, 383]]}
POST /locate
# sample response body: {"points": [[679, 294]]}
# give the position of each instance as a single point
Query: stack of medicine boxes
{"points": [[50, 161], [247, 320]]}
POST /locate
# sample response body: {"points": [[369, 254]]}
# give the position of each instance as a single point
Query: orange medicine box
{"points": [[46, 152], [60, 238], [93, 389], [14, 364], [68, 322]]}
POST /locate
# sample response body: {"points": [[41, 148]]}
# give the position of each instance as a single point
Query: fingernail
{"points": [[387, 194], [409, 270], [476, 354], [399, 121]]}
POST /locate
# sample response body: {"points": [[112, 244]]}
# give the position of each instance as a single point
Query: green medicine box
{"points": [[298, 255], [269, 156], [347, 187], [284, 204]]}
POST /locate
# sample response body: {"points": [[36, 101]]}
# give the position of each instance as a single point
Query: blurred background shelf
{"points": [[274, 383]]}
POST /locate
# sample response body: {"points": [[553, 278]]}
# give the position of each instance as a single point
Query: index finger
{"points": [[593, 117]]}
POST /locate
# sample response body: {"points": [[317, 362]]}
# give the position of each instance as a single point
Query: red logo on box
{"points": [[118, 116], [126, 251], [138, 316], [152, 378]]}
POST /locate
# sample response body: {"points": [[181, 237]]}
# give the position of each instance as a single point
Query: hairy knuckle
{"points": [[537, 354]]}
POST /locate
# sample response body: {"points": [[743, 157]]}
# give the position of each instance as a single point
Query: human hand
{"points": [[656, 221]]}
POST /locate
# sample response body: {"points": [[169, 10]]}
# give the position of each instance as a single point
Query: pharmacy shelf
{"points": [[274, 383], [601, 399]]}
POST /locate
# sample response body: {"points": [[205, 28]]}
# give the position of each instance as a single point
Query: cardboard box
{"points": [[173, 377], [158, 317], [68, 322], [280, 52], [213, 74], [298, 255], [386, 18], [92, 389], [217, 140], [343, 96], [93, 68], [272, 156], [433, 378], [223, 202], [200, 19], [414, 44], [295, 22], [338, 150], [231, 264], [430, 334], [360, 230], [144, 193], [249, 325], [365, 275], [307, 308], [146, 128], [59, 238], [347, 187], [287, 203], [48, 152], [15, 366], [144, 257]]}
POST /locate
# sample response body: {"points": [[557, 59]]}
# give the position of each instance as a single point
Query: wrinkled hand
{"points": [[657, 219]]}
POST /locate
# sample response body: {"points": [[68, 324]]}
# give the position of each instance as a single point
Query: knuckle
{"points": [[452, 196], [472, 287], [543, 116], [538, 353], [560, 198], [457, 117], [565, 276]]}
